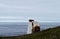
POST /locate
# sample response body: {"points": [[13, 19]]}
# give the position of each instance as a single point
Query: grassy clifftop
{"points": [[52, 33]]}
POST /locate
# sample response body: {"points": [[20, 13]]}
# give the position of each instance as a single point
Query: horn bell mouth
{"points": [[30, 20]]}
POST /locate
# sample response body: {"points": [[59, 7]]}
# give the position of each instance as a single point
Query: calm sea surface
{"points": [[20, 28]]}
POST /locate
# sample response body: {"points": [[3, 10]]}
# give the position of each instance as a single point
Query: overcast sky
{"points": [[42, 10]]}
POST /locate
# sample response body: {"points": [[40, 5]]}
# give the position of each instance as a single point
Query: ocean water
{"points": [[20, 28]]}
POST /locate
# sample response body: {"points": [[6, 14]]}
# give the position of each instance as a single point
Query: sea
{"points": [[20, 28]]}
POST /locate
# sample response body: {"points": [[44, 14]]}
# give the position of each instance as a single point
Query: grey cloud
{"points": [[30, 8]]}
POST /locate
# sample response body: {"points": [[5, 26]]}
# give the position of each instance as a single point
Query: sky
{"points": [[22, 10]]}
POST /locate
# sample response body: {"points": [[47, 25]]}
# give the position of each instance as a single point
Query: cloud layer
{"points": [[49, 9]]}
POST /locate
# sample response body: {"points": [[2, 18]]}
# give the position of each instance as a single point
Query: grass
{"points": [[52, 33]]}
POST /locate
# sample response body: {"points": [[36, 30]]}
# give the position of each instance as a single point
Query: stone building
{"points": [[33, 26]]}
